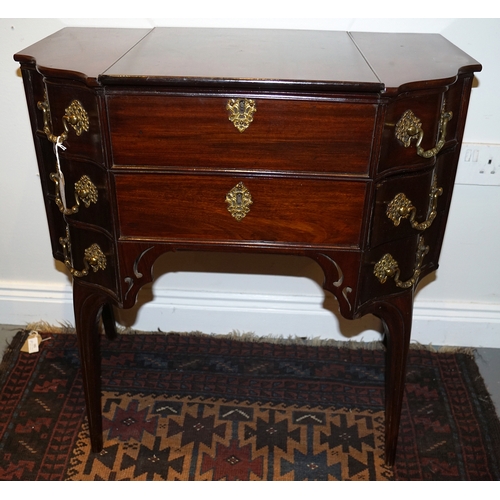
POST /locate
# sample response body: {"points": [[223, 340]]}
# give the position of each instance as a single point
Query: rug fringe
{"points": [[291, 339], [469, 351], [44, 327]]}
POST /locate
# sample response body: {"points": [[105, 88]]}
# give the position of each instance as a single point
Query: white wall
{"points": [[458, 305]]}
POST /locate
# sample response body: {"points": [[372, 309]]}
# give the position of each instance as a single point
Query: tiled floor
{"points": [[488, 361]]}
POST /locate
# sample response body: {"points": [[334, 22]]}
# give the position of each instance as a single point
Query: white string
{"points": [[58, 144]]}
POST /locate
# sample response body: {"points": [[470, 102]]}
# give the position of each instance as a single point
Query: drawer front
{"points": [[197, 207], [283, 134], [406, 205], [396, 266], [85, 192], [74, 103], [89, 255], [430, 121]]}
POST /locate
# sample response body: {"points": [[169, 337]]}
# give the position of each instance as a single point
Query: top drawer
{"points": [[422, 119], [66, 102], [292, 135]]}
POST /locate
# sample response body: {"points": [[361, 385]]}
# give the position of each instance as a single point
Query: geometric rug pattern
{"points": [[193, 407], [155, 438]]}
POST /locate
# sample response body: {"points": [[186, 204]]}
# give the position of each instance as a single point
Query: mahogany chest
{"points": [[341, 147]]}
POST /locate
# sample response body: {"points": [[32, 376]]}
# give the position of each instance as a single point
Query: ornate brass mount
{"points": [[401, 208], [241, 112], [85, 192], [93, 257], [239, 200], [409, 127], [76, 116], [387, 267]]}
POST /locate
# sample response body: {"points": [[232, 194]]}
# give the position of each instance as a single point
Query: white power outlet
{"points": [[479, 164]]}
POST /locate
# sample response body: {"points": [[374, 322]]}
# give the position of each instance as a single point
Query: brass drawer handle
{"points": [[238, 201], [76, 116], [241, 112], [93, 257], [85, 191], [409, 127], [401, 208], [387, 267]]}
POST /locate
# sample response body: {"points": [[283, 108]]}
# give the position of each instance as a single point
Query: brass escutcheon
{"points": [[239, 200], [409, 128], [387, 267], [75, 116], [241, 112]]}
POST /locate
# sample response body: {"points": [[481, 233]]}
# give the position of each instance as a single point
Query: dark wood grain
{"points": [[396, 315], [321, 160], [80, 53], [98, 213], [89, 143], [243, 57], [405, 61], [426, 106], [284, 134], [283, 210], [88, 304], [273, 58]]}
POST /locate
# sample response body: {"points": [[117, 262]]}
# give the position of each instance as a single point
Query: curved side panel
{"points": [[341, 277], [136, 268], [340, 269]]}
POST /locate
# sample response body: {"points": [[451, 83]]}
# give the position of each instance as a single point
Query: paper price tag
{"points": [[33, 342], [60, 175]]}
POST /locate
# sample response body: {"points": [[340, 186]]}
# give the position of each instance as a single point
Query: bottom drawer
{"points": [[405, 205], [222, 208], [89, 256], [396, 266]]}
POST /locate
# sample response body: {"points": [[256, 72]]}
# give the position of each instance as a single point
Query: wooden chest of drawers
{"points": [[341, 147]]}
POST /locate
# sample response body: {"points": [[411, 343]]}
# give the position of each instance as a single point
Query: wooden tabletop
{"points": [[248, 58]]}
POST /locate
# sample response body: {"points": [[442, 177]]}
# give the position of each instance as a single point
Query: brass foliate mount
{"points": [[93, 257], [409, 128], [387, 267], [238, 201], [75, 116], [85, 192], [402, 208], [241, 112]]}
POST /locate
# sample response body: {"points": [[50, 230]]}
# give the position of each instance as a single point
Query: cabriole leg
{"points": [[87, 306], [396, 315], [108, 321]]}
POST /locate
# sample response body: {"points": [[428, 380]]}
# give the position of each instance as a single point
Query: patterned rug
{"points": [[199, 407]]}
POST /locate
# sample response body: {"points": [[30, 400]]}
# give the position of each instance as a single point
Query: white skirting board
{"points": [[436, 323]]}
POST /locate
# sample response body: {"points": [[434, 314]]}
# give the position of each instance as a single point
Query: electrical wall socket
{"points": [[479, 165]]}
